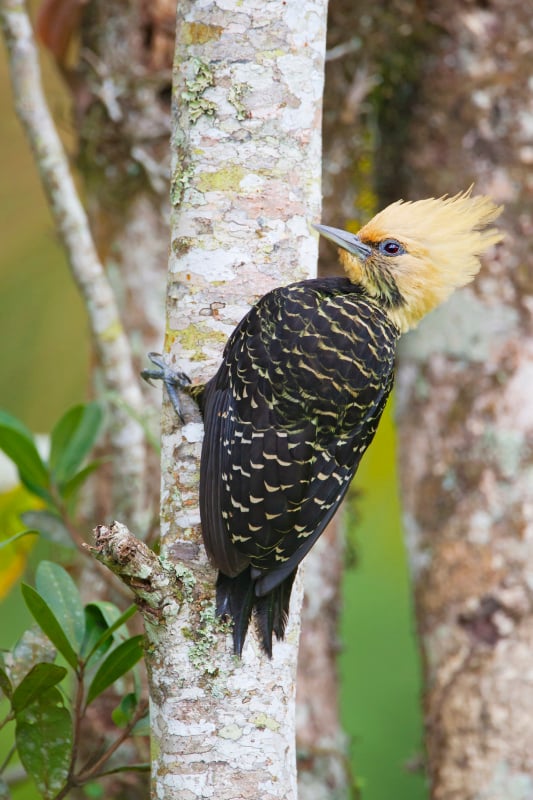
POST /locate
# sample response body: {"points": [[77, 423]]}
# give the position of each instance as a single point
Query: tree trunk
{"points": [[245, 185], [464, 412]]}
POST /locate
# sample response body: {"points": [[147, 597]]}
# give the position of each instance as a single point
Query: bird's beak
{"points": [[348, 241]]}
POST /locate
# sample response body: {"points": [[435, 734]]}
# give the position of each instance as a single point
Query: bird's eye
{"points": [[391, 247]]}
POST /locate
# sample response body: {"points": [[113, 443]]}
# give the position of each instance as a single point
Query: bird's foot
{"points": [[173, 381]]}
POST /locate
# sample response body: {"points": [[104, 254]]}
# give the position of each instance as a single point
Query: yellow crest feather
{"points": [[443, 239]]}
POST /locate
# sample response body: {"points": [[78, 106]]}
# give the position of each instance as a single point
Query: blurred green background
{"points": [[44, 361], [379, 663], [43, 327]]}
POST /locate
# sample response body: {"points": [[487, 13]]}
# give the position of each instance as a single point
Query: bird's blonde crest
{"points": [[443, 238], [456, 221]]}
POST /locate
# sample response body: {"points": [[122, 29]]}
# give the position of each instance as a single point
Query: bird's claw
{"points": [[172, 380]]}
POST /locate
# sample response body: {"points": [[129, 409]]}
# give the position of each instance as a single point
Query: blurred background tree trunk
{"points": [[121, 86], [465, 382]]}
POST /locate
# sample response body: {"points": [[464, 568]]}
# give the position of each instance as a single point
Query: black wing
{"points": [[288, 416]]}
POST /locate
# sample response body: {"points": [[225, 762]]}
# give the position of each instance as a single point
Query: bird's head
{"points": [[412, 255]]}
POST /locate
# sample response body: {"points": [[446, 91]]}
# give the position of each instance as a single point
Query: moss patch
{"points": [[235, 95], [261, 721], [180, 180], [225, 179], [192, 339], [187, 580], [198, 33], [193, 97], [202, 653]]}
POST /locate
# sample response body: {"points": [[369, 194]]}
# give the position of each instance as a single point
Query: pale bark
{"points": [[245, 185], [466, 427]]}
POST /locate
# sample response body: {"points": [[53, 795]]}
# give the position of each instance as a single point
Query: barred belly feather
{"points": [[288, 416]]}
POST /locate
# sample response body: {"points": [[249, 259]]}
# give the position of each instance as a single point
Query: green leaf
{"points": [[44, 742], [114, 619], [17, 443], [96, 642], [14, 538], [123, 713], [117, 663], [142, 727], [44, 616], [70, 487], [57, 588], [8, 420], [40, 678], [73, 438], [32, 648], [112, 614], [50, 525]]}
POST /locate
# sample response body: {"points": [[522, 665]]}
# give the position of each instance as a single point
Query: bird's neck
{"points": [[380, 285]]}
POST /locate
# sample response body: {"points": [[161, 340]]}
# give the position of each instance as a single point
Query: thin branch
{"points": [[90, 772], [111, 344], [4, 722], [78, 715], [77, 719], [7, 759]]}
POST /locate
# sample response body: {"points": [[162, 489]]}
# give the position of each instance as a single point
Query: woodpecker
{"points": [[302, 386]]}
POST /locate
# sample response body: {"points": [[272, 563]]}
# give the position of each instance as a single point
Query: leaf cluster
{"points": [[56, 481], [97, 650]]}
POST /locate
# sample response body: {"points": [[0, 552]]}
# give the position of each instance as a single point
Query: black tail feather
{"points": [[236, 598], [272, 612]]}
